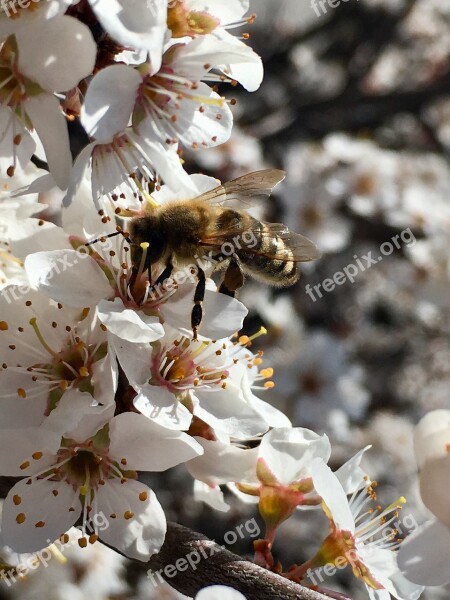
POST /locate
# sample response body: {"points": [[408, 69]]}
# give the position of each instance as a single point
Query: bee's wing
{"points": [[302, 248], [245, 191]]}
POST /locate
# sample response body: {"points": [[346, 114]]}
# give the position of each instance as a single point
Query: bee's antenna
{"points": [[119, 231]]}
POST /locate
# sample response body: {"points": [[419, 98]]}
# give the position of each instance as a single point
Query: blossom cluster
{"points": [[103, 380]]}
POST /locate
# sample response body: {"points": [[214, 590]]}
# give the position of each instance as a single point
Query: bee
{"points": [[216, 224]]}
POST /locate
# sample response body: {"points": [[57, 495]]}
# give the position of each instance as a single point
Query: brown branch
{"points": [[215, 565], [218, 566]]}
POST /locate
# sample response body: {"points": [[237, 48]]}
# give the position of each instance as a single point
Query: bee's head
{"points": [[144, 230]]}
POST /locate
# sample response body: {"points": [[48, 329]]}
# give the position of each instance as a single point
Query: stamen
{"points": [[34, 325]]}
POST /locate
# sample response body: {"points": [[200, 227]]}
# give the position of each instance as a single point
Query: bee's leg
{"points": [[197, 311], [165, 274], [233, 279]]}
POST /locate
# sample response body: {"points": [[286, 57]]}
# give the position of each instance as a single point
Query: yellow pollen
{"points": [[17, 499], [40, 524], [20, 518], [267, 372], [37, 455], [84, 490], [257, 362], [63, 384], [93, 538], [65, 538], [83, 371], [25, 465], [3, 326], [143, 496], [82, 542], [21, 392], [128, 515], [269, 384]]}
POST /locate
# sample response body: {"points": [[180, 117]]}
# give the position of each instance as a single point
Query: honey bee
{"points": [[216, 224]]}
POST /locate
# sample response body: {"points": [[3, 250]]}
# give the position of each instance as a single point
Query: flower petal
{"points": [[148, 446], [129, 324], [62, 275], [35, 515], [104, 113], [423, 556], [136, 522], [50, 124], [47, 51]]}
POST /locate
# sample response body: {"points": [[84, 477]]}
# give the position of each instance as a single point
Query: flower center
{"points": [[184, 22], [188, 363], [71, 366]]}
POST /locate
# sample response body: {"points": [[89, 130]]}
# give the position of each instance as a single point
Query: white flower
{"points": [[197, 18], [424, 556], [177, 378], [219, 592], [36, 62], [55, 364], [91, 475], [355, 536], [139, 24], [15, 15], [123, 167]]}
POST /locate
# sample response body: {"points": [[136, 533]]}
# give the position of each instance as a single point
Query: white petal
{"points": [[382, 564], [243, 65], [50, 124], [147, 446], [222, 315], [212, 496], [141, 535], [332, 493], [135, 23], [10, 127], [219, 592], [39, 505], [72, 409], [223, 463], [109, 101], [432, 436], [63, 275], [227, 410], [350, 475], [435, 487], [57, 54], [160, 405], [227, 12], [135, 359], [129, 324], [14, 18], [39, 236], [271, 415], [424, 555], [288, 452], [17, 447]]}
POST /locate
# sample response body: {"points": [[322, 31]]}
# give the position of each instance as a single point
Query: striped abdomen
{"points": [[262, 253]]}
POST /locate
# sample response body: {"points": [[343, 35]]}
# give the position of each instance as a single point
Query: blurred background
{"points": [[355, 106]]}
